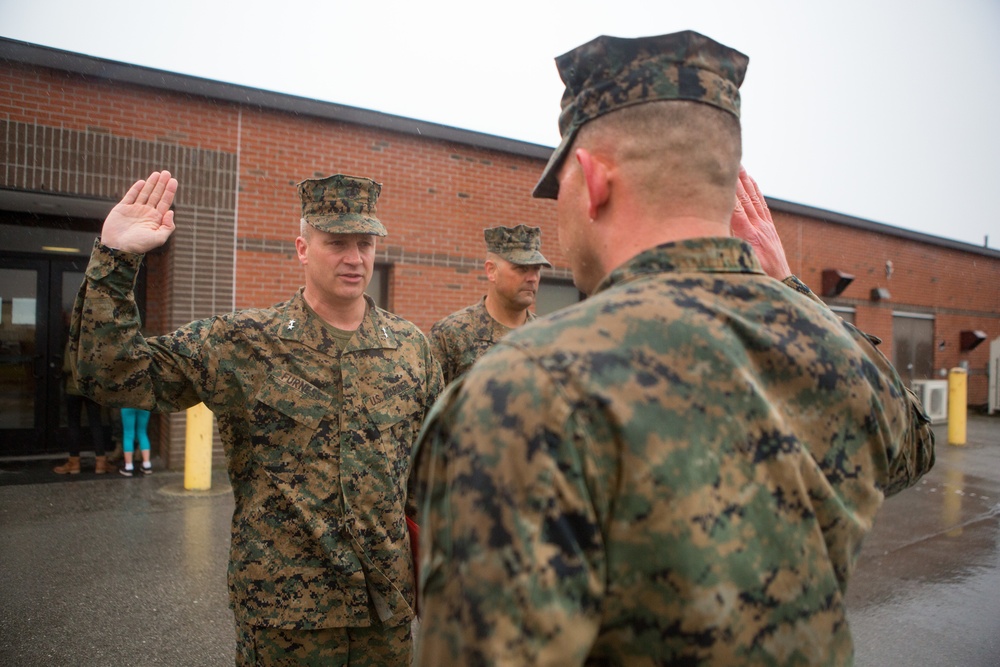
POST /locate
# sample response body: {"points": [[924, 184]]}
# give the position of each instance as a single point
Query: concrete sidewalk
{"points": [[111, 572]]}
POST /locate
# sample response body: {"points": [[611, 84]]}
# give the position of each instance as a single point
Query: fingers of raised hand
{"points": [[750, 185], [754, 197], [164, 193], [133, 193], [148, 190], [156, 190], [739, 224], [744, 203]]}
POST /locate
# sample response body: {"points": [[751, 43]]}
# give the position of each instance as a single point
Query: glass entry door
{"points": [[36, 298]]}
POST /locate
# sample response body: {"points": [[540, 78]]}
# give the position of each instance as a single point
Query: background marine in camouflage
{"points": [[513, 267], [681, 468], [318, 401]]}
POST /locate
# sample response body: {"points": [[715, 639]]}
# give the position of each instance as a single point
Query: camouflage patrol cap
{"points": [[341, 204], [609, 73], [518, 245]]}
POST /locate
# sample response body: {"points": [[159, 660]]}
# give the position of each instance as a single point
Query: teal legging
{"points": [[134, 423]]}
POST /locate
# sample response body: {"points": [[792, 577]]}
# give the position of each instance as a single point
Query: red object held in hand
{"points": [[414, 531]]}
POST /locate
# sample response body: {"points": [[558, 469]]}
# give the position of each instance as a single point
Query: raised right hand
{"points": [[751, 221], [142, 220]]}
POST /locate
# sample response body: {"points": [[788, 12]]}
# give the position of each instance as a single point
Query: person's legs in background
{"points": [[74, 409], [141, 424], [134, 424], [113, 436], [128, 440], [95, 419]]}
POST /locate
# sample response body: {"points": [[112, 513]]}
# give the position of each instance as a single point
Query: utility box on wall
{"points": [[933, 395]]}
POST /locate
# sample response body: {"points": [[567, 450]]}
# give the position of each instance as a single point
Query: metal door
{"points": [[36, 297], [913, 346]]}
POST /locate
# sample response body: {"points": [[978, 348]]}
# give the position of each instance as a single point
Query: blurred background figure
{"points": [[76, 403], [134, 423]]}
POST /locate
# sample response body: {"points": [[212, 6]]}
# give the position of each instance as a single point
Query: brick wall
{"points": [[436, 199], [961, 290]]}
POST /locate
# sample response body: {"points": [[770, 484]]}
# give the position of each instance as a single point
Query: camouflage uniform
{"points": [[678, 470], [462, 337], [358, 647], [317, 440]]}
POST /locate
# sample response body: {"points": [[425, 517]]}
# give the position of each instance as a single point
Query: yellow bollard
{"points": [[198, 449], [958, 383]]}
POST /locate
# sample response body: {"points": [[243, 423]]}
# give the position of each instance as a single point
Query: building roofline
{"points": [[27, 53], [876, 227], [112, 70]]}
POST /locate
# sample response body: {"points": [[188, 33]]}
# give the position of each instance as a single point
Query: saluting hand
{"points": [[142, 220], [752, 222]]}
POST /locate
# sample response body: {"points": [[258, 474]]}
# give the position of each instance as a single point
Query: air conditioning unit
{"points": [[933, 395]]}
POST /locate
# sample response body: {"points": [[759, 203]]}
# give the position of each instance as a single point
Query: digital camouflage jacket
{"points": [[464, 336], [678, 470], [317, 443]]}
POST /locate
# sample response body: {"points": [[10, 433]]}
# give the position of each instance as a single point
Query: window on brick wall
{"points": [[378, 287], [846, 313], [555, 293]]}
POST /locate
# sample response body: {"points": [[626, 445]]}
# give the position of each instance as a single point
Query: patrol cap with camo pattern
{"points": [[518, 245], [609, 73], [341, 204]]}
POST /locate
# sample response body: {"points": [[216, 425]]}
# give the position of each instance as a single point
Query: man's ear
{"points": [[595, 175], [300, 249], [491, 270]]}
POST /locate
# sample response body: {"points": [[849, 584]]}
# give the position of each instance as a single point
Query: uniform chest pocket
{"points": [[398, 421], [289, 408]]}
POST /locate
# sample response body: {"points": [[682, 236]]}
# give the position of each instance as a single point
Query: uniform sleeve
{"points": [[435, 380], [434, 387], [439, 346], [913, 455], [112, 361], [512, 565]]}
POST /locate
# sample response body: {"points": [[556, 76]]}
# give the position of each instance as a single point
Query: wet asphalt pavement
{"points": [[927, 587], [109, 571]]}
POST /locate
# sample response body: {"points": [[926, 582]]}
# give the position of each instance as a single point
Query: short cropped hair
{"points": [[690, 146]]}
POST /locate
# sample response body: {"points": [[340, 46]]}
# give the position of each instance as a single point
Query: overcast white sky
{"points": [[882, 109]]}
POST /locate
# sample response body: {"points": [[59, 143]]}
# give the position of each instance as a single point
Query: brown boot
{"points": [[71, 467], [115, 454], [101, 465]]}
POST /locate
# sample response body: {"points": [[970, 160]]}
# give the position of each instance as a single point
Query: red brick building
{"points": [[76, 131]]}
